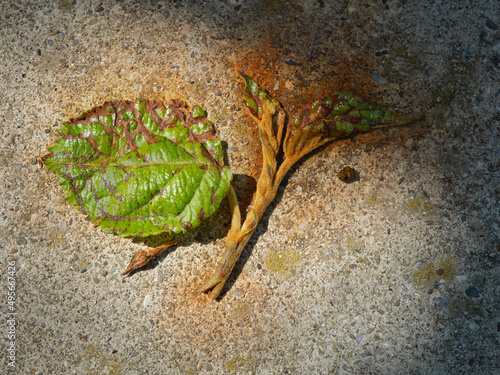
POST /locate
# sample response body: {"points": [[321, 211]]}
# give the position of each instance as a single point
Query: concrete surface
{"points": [[395, 273]]}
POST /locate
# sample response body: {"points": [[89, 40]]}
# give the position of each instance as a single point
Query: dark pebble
{"points": [[152, 322], [240, 324], [218, 93], [397, 303], [472, 292], [381, 53], [440, 271], [491, 25], [436, 285], [99, 9], [316, 41], [463, 218], [84, 270], [259, 267], [166, 14], [401, 180], [345, 174], [291, 62], [47, 131], [47, 11], [498, 327], [114, 351], [39, 52], [334, 63], [442, 302], [158, 6]]}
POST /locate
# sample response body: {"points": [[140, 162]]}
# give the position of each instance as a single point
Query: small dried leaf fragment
{"points": [[141, 168]]}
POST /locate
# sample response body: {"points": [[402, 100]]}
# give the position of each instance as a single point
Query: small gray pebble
{"points": [[442, 302], [240, 324], [378, 78], [166, 14]]}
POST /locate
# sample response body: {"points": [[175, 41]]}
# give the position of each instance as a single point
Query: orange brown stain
{"points": [[265, 63]]}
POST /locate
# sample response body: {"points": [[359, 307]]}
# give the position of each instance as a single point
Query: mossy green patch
{"points": [[432, 272], [421, 205], [282, 262], [240, 364], [100, 363]]}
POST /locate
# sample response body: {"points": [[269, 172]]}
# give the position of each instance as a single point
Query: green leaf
{"points": [[335, 116], [141, 168]]}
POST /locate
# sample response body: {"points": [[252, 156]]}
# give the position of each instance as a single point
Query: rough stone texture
{"points": [[339, 278]]}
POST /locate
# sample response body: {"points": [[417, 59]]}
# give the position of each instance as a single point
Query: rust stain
{"points": [[295, 86], [301, 84]]}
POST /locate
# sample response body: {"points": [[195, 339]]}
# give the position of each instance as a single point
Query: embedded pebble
{"points": [[21, 241], [442, 302], [303, 225], [378, 78], [147, 300], [472, 292]]}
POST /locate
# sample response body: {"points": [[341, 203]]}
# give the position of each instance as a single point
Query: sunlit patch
{"points": [[282, 262]]}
